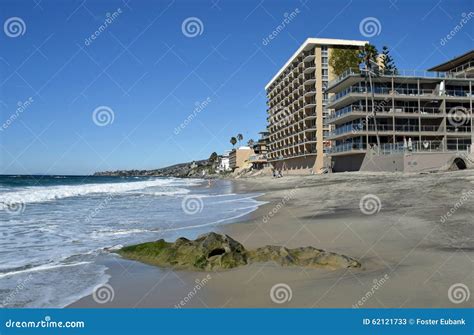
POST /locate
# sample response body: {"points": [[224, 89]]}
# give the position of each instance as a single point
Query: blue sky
{"points": [[145, 70]]}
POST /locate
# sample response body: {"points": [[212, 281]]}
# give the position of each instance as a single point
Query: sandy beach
{"points": [[396, 225]]}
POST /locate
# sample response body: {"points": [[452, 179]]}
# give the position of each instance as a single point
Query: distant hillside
{"points": [[201, 168]]}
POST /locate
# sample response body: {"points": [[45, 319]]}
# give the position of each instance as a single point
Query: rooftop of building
{"points": [[454, 63], [316, 41], [459, 68]]}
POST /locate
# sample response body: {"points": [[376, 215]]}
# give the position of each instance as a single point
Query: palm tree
{"points": [[233, 141], [368, 55], [250, 142], [240, 137]]}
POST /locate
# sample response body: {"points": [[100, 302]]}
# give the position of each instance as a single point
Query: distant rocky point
{"points": [[201, 168], [214, 252]]}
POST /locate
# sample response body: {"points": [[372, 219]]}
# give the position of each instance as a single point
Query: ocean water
{"points": [[53, 228]]}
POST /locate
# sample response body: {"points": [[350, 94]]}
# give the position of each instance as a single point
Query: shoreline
{"points": [[406, 261]]}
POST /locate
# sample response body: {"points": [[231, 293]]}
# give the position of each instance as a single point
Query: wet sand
{"points": [[411, 251]]}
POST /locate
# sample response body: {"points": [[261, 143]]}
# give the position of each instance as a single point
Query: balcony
{"points": [[354, 72], [423, 146], [387, 91], [258, 158], [347, 147], [356, 111], [359, 128], [458, 93]]}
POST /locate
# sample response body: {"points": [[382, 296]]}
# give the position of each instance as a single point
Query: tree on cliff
{"points": [[213, 157]]}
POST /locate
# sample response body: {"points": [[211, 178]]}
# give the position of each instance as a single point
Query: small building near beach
{"points": [[224, 164], [259, 159], [239, 158]]}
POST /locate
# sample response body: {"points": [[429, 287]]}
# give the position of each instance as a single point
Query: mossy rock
{"points": [[208, 252], [214, 252]]}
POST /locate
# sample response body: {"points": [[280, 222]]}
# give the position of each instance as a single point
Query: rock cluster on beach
{"points": [[214, 252]]}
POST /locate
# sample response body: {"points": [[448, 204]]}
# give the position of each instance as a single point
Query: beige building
{"points": [[239, 158], [297, 107]]}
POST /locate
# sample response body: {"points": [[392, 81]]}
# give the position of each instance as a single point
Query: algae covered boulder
{"points": [[304, 257], [214, 252], [208, 252]]}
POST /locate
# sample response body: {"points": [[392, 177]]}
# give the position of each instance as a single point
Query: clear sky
{"points": [[153, 74]]}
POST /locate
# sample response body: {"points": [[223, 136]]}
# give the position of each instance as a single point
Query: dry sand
{"points": [[410, 255]]}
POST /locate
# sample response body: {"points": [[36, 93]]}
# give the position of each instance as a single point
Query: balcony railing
{"points": [[406, 73], [458, 93], [346, 147], [388, 91], [255, 158], [398, 109], [423, 146], [358, 128]]}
